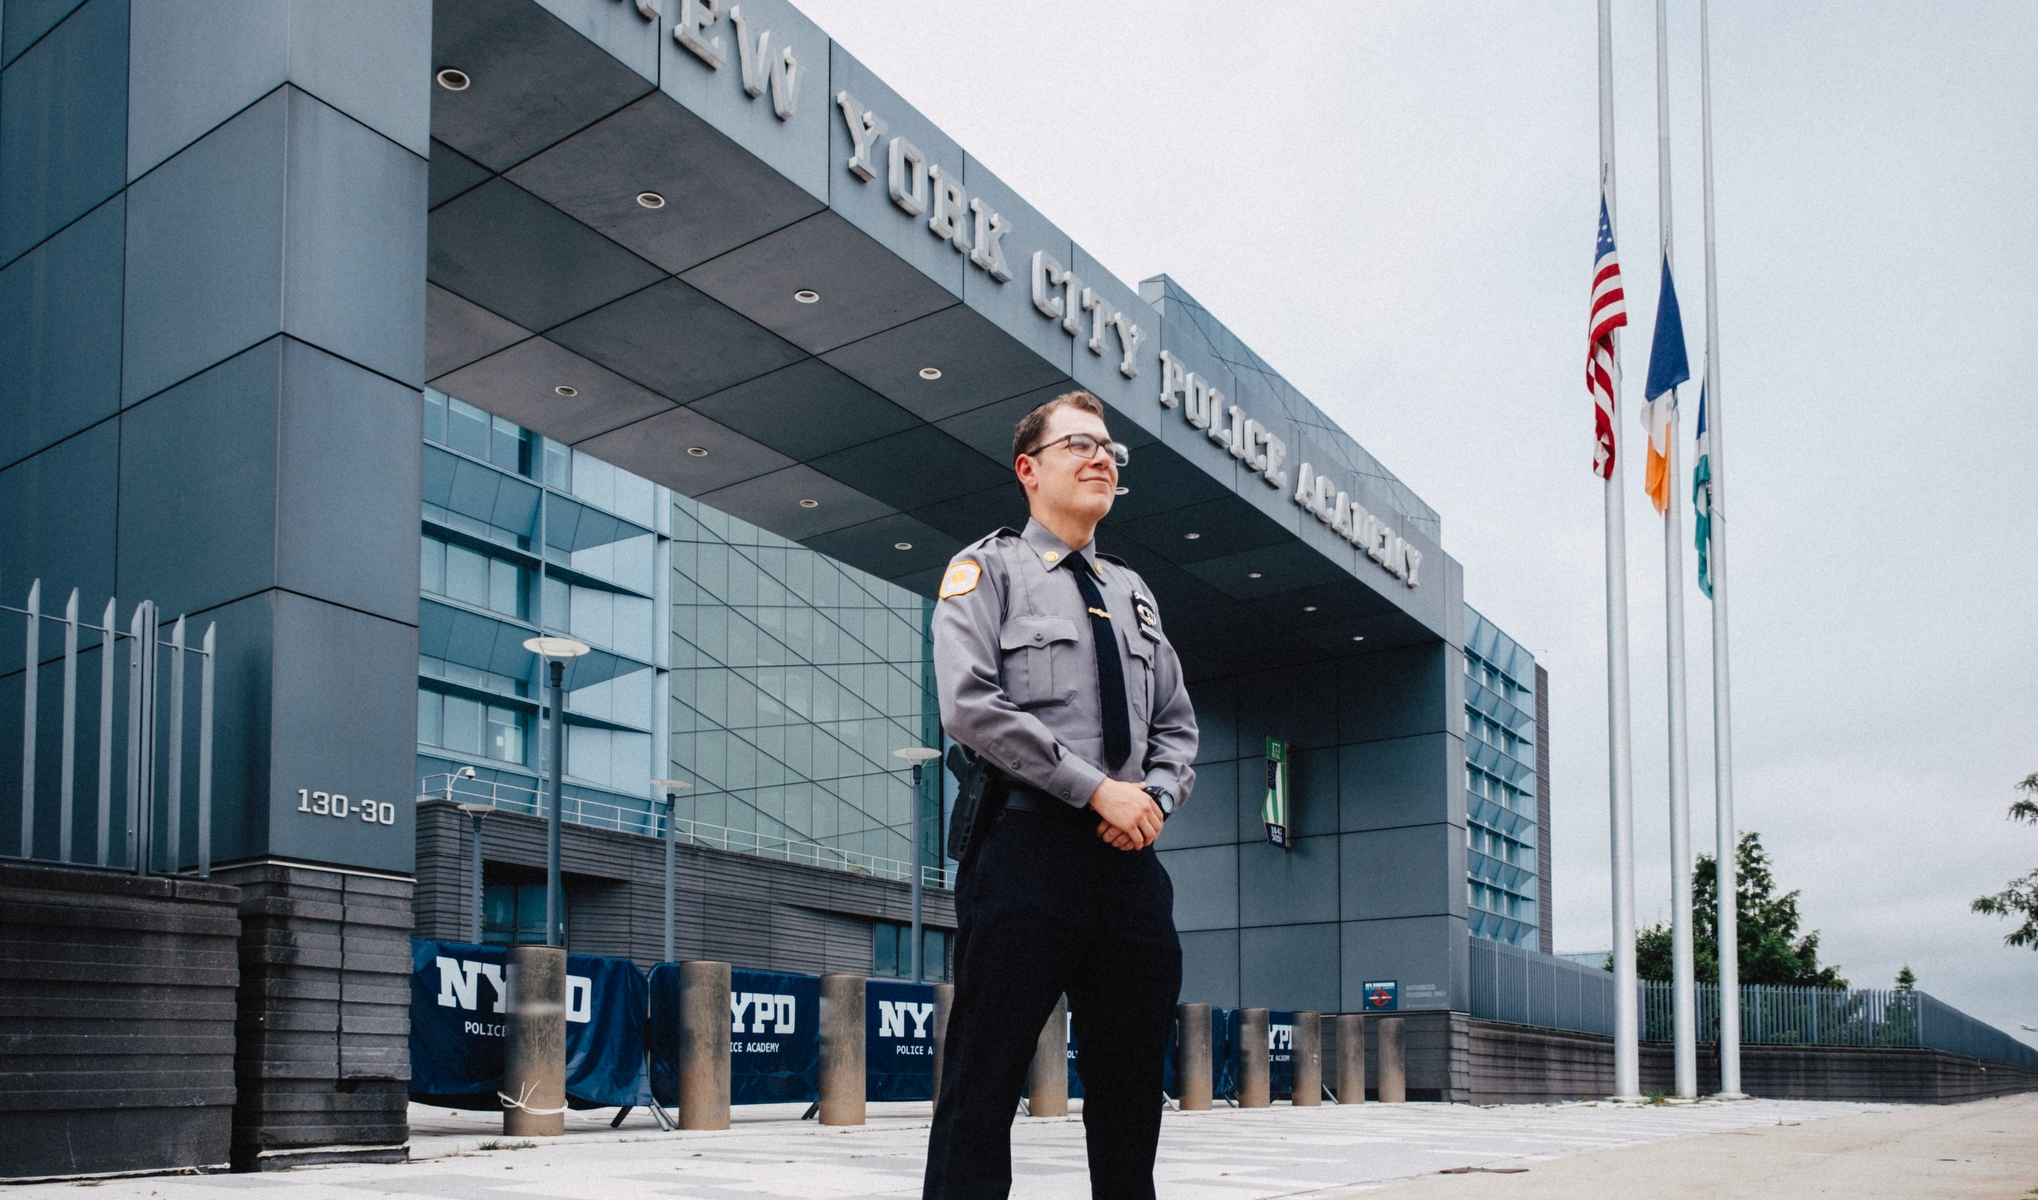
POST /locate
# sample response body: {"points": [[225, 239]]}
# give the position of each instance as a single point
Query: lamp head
{"points": [[917, 754], [556, 647]]}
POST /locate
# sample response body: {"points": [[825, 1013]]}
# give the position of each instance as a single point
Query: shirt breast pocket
{"points": [[1139, 677], [1033, 648]]}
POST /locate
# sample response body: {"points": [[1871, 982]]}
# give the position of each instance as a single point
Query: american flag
{"points": [[1609, 312]]}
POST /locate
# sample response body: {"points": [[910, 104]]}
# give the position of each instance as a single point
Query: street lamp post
{"points": [[919, 756], [475, 812], [672, 789], [534, 1050], [555, 651]]}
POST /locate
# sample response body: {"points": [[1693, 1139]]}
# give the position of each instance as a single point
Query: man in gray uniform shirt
{"points": [[1052, 665]]}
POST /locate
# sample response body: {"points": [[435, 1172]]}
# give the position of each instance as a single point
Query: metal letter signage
{"points": [[925, 189], [761, 70], [1350, 521], [1203, 407]]}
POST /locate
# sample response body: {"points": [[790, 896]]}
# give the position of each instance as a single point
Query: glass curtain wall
{"points": [[521, 535], [1500, 785], [794, 677]]}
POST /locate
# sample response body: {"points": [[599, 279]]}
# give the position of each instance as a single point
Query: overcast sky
{"points": [[1394, 204]]}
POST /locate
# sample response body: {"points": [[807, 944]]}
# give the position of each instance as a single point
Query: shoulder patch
{"points": [[960, 580]]}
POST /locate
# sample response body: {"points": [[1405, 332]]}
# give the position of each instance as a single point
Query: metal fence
{"points": [[650, 822], [1786, 1016], [1525, 988], [145, 830]]}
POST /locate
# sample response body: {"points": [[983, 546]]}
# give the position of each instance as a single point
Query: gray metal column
{"points": [[1047, 1089], [534, 1050], [703, 1045], [1351, 1058], [1307, 1057], [1393, 1060], [1253, 1084], [1192, 1057], [842, 1063]]}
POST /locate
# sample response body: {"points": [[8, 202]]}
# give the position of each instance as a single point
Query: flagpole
{"points": [[1725, 840], [1627, 1080], [1684, 1026]]}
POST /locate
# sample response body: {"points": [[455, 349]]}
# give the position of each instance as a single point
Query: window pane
{"points": [[463, 725], [431, 719], [435, 415], [885, 950], [505, 734], [432, 567], [466, 576], [505, 588], [505, 448], [467, 428]]}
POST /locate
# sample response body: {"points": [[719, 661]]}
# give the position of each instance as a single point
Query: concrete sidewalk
{"points": [[1910, 1152], [1758, 1148]]}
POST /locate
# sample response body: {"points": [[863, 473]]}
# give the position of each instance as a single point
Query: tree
{"points": [[1772, 951], [2020, 898], [1906, 979]]}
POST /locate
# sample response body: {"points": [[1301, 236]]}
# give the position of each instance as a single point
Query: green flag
{"points": [[1274, 809]]}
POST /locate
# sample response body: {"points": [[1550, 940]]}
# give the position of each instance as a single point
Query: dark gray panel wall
{"points": [[1374, 884], [212, 259]]}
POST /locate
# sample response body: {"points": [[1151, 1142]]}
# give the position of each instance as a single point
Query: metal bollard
{"points": [[1253, 1084], [534, 1050], [1351, 1058], [1307, 1058], [1192, 1057], [1393, 1061], [842, 1065], [703, 1045], [944, 999], [1047, 1091]]}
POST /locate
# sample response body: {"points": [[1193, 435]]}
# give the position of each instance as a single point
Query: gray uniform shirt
{"points": [[1016, 666]]}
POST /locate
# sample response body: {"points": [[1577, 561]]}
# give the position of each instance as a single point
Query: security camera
{"points": [[465, 773]]}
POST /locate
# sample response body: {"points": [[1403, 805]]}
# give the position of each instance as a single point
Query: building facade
{"points": [[241, 261]]}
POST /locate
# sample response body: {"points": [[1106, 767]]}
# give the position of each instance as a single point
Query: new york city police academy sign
{"points": [[924, 190]]}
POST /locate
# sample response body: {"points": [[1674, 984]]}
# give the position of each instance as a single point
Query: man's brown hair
{"points": [[1027, 432]]}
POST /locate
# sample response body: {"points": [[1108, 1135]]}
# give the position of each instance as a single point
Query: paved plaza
{"points": [[1758, 1148]]}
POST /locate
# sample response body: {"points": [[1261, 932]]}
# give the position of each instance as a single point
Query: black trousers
{"points": [[1046, 908]]}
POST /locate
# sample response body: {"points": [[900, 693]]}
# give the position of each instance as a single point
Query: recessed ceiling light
{"points": [[1120, 491], [807, 296], [1309, 608], [453, 79], [567, 390], [1191, 536], [930, 374], [650, 199], [1358, 637], [902, 545], [810, 504], [1252, 574], [697, 451]]}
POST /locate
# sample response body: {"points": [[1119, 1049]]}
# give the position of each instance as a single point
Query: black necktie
{"points": [[1110, 667]]}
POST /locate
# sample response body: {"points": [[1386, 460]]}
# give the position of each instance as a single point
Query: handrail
{"points": [[650, 822]]}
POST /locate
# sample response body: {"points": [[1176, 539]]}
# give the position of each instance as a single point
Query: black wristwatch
{"points": [[1163, 798]]}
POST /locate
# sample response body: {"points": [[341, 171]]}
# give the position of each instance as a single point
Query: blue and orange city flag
{"points": [[1701, 497], [1609, 312], [1668, 367]]}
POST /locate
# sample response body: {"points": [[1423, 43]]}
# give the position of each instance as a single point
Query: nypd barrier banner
{"points": [[774, 1036], [458, 1003], [898, 1040]]}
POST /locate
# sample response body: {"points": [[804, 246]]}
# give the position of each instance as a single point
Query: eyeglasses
{"points": [[1085, 447]]}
